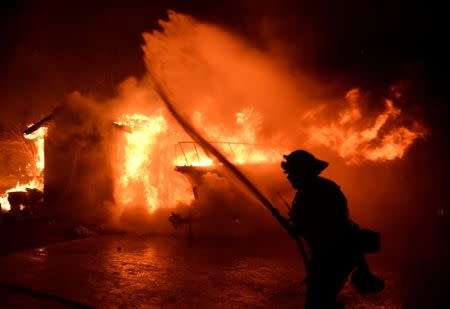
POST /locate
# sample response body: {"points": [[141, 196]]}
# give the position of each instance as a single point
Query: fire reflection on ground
{"points": [[131, 271]]}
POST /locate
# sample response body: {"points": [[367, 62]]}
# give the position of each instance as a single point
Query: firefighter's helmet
{"points": [[301, 161]]}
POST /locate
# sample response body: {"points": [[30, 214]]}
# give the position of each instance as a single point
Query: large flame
{"points": [[139, 150], [147, 159], [208, 69], [384, 139], [145, 170], [238, 142], [34, 168]]}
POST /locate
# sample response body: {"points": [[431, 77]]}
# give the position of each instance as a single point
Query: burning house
{"points": [[103, 159], [96, 166], [174, 123]]}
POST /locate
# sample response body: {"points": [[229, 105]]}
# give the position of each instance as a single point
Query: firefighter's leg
{"points": [[326, 280], [364, 280]]}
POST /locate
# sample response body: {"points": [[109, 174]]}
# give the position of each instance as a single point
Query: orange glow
{"points": [[35, 168], [145, 171], [138, 154], [383, 140], [212, 74], [147, 159], [238, 142], [38, 138]]}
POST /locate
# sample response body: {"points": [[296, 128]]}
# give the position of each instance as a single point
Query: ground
{"points": [[130, 271]]}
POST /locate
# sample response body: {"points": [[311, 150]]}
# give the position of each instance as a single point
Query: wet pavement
{"points": [[129, 271]]}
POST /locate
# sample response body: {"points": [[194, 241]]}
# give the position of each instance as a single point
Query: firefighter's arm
{"points": [[285, 223]]}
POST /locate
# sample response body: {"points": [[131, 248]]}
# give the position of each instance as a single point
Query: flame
{"points": [[147, 159], [138, 154], [38, 137], [239, 144], [36, 167], [383, 140], [146, 172], [143, 135]]}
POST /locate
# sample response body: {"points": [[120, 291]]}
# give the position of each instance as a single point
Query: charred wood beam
{"points": [[48, 118]]}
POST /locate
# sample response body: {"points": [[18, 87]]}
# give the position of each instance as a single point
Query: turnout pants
{"points": [[327, 276]]}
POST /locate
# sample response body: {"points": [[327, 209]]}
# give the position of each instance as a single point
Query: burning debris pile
{"points": [[27, 196]]}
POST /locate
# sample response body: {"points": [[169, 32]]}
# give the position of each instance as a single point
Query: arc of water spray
{"points": [[210, 149]]}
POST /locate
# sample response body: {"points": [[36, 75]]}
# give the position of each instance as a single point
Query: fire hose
{"points": [[213, 151]]}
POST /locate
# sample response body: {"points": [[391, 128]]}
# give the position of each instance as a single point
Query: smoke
{"points": [[218, 74], [224, 209], [233, 89], [76, 145], [214, 75]]}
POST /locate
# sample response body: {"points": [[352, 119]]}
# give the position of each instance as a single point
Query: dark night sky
{"points": [[50, 48]]}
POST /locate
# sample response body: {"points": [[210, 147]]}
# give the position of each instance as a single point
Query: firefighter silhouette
{"points": [[319, 214]]}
